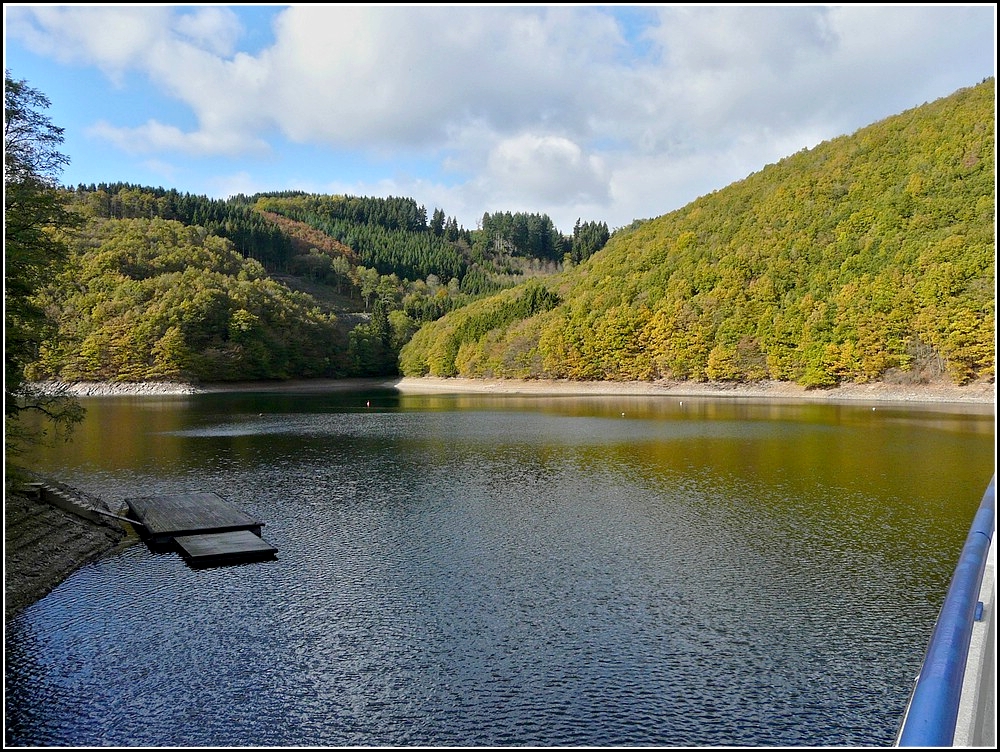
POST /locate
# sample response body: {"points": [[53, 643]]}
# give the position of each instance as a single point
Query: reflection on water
{"points": [[486, 571]]}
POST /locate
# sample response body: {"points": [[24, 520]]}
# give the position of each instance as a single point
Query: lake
{"points": [[483, 570]]}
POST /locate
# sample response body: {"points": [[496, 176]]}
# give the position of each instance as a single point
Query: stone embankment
{"points": [[51, 530], [117, 388]]}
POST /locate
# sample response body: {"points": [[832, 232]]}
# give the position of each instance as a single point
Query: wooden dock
{"points": [[222, 548], [205, 528]]}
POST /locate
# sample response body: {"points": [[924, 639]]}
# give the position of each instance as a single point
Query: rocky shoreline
{"points": [[981, 392], [44, 543], [116, 388]]}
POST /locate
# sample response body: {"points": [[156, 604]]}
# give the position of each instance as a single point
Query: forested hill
{"points": [[163, 285], [869, 257]]}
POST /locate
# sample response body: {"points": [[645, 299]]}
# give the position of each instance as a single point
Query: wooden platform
{"points": [[197, 512], [204, 527], [221, 548]]}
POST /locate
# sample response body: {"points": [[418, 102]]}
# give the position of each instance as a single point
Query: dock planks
{"points": [[205, 528], [197, 512], [219, 548]]}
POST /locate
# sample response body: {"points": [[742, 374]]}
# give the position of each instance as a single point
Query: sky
{"points": [[599, 113]]}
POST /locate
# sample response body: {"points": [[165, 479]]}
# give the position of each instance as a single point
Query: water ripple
{"points": [[495, 579]]}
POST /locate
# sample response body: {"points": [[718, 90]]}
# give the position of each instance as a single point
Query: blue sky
{"points": [[598, 112]]}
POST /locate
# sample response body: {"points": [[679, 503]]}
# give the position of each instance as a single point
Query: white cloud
{"points": [[214, 29], [155, 137], [360, 75], [545, 170], [724, 40], [889, 60], [545, 106], [113, 38]]}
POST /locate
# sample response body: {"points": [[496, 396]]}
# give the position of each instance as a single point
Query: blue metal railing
{"points": [[932, 713]]}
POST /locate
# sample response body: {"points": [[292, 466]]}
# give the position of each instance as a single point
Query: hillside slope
{"points": [[869, 257]]}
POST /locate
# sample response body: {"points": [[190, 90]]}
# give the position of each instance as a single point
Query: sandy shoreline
{"points": [[982, 393], [978, 393]]}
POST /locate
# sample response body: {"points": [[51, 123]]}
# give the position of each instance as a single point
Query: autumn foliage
{"points": [[869, 257]]}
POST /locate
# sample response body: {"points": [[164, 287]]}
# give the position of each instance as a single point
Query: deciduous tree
{"points": [[35, 219]]}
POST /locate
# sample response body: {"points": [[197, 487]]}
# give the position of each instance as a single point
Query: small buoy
{"points": [[623, 415], [368, 403]]}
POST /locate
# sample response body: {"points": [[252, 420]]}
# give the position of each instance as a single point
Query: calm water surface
{"points": [[500, 571]]}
